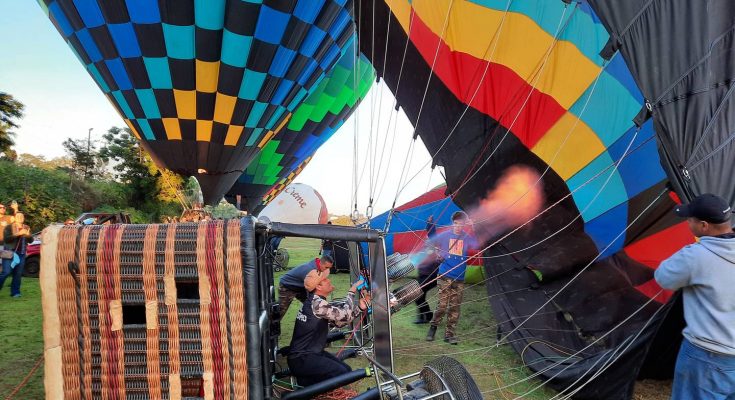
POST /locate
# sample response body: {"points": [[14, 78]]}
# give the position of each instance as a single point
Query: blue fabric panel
{"points": [[271, 25], [60, 18], [235, 49], [117, 69], [251, 83], [306, 145], [209, 14], [297, 99], [619, 69], [275, 117], [255, 113], [283, 89], [606, 227], [90, 13], [123, 104], [93, 52], [641, 167], [281, 62], [179, 41], [313, 39], [148, 102], [329, 57], [307, 10], [339, 24], [98, 77], [608, 98], [583, 30], [143, 11], [125, 40], [147, 131], [602, 193], [254, 137], [158, 72], [306, 72]]}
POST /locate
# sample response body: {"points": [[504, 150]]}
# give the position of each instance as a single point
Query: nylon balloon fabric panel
{"points": [[496, 84], [205, 84], [314, 122]]}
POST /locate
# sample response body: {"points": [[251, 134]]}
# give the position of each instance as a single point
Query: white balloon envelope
{"points": [[297, 204]]}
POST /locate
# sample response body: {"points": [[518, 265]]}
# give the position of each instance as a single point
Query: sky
{"points": [[62, 101]]}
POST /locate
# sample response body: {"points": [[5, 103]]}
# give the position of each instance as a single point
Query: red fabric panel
{"points": [[650, 288], [428, 197], [653, 249], [502, 93]]}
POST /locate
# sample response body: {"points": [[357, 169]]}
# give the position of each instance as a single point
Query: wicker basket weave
{"points": [[144, 311]]}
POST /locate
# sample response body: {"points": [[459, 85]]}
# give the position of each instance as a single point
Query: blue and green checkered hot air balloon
{"points": [[205, 84]]}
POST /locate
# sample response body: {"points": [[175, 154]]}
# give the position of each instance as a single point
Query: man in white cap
{"points": [[705, 273], [307, 360]]}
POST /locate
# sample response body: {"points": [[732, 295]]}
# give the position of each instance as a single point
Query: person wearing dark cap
{"points": [[705, 273], [308, 361], [291, 284]]}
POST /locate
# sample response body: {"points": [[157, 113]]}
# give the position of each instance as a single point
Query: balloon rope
{"points": [[610, 361], [565, 360], [404, 169]]}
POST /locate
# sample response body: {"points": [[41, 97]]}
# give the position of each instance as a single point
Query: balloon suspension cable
{"points": [[423, 98], [492, 45]]}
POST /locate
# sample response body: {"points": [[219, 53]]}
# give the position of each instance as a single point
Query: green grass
{"points": [[22, 342]]}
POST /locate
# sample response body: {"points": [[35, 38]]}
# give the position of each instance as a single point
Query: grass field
{"points": [[22, 342]]}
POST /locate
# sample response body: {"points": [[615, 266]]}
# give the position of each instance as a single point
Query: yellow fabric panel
{"points": [[269, 135], [522, 44], [204, 130], [207, 74], [401, 12], [233, 135], [224, 106], [581, 147], [132, 128], [186, 103], [173, 130]]}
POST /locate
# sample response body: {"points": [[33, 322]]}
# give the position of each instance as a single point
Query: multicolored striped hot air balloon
{"points": [[567, 88], [205, 84], [311, 125]]}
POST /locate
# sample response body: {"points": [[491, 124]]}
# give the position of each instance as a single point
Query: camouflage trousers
{"points": [[450, 302], [286, 295]]}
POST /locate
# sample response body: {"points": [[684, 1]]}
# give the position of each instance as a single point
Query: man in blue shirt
{"points": [[705, 273], [454, 248], [291, 284]]}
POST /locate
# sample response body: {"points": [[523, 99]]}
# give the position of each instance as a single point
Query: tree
{"points": [[151, 189], [10, 110], [32, 160], [85, 159]]}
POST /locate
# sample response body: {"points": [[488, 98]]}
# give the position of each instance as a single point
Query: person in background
{"points": [[16, 237], [705, 273], [454, 249], [5, 220], [307, 359], [327, 246], [427, 269], [291, 284], [68, 222], [430, 227]]}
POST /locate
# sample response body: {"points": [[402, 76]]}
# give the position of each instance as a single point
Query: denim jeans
{"points": [[702, 374], [16, 272]]}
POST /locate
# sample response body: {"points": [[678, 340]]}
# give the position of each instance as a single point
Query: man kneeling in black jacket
{"points": [[307, 360]]}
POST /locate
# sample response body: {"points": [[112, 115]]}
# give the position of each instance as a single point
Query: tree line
{"points": [[113, 174]]}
